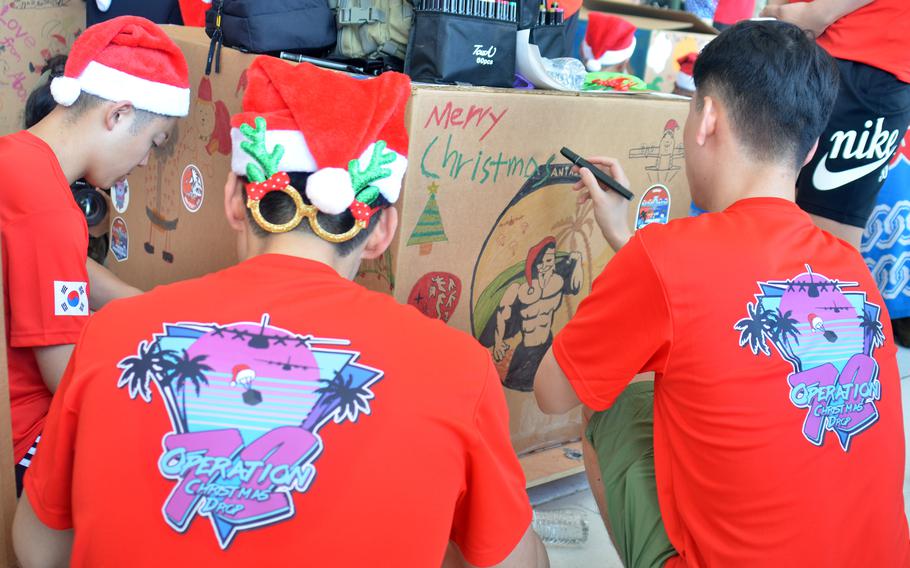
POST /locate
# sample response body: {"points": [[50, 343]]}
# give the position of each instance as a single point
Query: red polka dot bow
{"points": [[362, 211], [279, 181]]}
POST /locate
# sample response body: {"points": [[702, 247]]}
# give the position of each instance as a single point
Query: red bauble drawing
{"points": [[436, 294]]}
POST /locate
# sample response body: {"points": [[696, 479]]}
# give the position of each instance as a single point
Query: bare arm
{"points": [[104, 286], [552, 389], [36, 544], [528, 553], [813, 16], [52, 361]]}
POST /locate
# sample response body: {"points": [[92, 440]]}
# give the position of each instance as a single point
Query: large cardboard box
{"points": [[491, 239], [31, 31]]}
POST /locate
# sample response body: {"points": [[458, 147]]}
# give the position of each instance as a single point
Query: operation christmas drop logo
{"points": [[828, 335], [246, 401]]}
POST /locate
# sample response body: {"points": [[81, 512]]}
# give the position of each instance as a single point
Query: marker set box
{"points": [[491, 9], [463, 42]]}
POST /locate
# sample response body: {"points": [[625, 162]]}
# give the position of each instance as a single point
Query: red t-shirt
{"points": [[732, 11], [778, 433], [875, 34], [45, 284], [274, 411]]}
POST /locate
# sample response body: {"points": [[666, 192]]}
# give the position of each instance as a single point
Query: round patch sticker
{"points": [[120, 239], [120, 196], [654, 206], [192, 188], [436, 294]]}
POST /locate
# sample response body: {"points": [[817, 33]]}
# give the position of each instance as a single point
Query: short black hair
{"points": [[41, 102], [776, 83], [277, 207]]}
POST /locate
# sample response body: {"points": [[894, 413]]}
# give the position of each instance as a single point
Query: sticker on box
{"points": [[192, 188], [120, 196], [654, 207], [120, 239]]}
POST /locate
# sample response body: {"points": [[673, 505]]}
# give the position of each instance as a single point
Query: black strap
{"points": [[217, 41]]}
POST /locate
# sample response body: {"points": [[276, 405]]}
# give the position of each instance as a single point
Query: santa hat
{"points": [[349, 134], [126, 59], [671, 125], [534, 253], [242, 373], [609, 40], [684, 79]]}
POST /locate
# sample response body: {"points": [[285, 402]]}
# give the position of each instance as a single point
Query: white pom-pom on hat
{"points": [[65, 90], [330, 190]]}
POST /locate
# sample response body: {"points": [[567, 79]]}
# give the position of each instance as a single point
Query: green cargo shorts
{"points": [[623, 437]]}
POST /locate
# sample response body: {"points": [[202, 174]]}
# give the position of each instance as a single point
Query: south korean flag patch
{"points": [[70, 298]]}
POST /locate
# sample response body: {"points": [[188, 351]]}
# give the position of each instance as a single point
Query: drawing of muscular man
{"points": [[529, 306]]}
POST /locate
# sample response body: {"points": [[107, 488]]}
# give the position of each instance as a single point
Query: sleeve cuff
{"points": [[493, 556], [584, 393], [53, 519], [44, 339]]}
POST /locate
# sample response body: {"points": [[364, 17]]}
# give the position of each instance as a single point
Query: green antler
{"points": [[362, 180], [266, 164]]}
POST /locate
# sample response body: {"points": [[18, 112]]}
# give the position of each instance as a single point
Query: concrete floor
{"points": [[598, 552]]}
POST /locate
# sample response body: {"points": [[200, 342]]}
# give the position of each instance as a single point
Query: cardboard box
{"points": [[31, 31], [487, 202]]}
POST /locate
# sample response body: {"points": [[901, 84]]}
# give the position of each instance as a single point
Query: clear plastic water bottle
{"points": [[569, 72], [561, 527]]}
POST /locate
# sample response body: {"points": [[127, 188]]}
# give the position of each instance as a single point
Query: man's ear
{"points": [[117, 113], [707, 120], [234, 205], [382, 235], [811, 154]]}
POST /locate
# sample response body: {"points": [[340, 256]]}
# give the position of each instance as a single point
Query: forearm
{"points": [[52, 361], [833, 10], [37, 545], [618, 238], [104, 286]]}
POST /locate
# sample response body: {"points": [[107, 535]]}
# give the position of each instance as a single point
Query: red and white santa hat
{"points": [[685, 79], [608, 40], [126, 59], [325, 120]]}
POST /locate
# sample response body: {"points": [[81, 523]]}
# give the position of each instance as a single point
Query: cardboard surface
{"points": [[31, 31], [485, 186]]}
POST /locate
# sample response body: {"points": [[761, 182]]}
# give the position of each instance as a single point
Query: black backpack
{"points": [[271, 26]]}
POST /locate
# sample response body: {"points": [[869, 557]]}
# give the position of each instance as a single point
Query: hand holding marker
{"points": [[601, 177]]}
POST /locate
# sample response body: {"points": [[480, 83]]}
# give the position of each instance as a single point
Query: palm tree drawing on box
{"points": [[571, 230], [161, 206]]}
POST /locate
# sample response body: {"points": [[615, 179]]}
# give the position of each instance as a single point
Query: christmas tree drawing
{"points": [[429, 227]]}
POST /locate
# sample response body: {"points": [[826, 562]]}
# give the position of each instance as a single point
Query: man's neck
{"points": [[306, 246], [735, 180], [67, 141]]}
